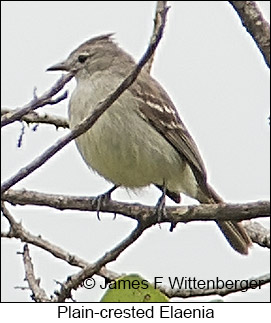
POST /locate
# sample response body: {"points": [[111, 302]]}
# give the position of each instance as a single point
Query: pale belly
{"points": [[123, 153], [126, 150]]}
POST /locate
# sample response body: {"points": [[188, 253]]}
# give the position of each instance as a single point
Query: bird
{"points": [[141, 139]]}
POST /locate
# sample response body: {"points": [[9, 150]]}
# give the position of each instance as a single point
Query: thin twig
{"points": [[34, 117], [255, 24], [39, 294], [88, 122], [160, 7], [19, 232], [45, 99], [74, 281]]}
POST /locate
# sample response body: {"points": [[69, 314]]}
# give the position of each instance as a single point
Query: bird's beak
{"points": [[59, 67]]}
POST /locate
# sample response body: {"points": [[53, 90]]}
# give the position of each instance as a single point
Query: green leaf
{"points": [[132, 288]]}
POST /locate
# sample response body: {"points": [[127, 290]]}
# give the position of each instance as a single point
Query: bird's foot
{"points": [[102, 199]]}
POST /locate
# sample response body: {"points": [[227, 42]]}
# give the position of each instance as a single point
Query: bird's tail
{"points": [[236, 235], [233, 231]]}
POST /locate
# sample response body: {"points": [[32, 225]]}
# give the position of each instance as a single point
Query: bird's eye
{"points": [[82, 58]]}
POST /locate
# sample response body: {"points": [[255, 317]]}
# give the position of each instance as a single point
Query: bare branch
{"points": [[88, 122], [258, 233], [240, 285], [160, 7], [34, 117], [255, 24], [74, 281], [45, 99], [39, 294], [139, 212], [19, 232]]}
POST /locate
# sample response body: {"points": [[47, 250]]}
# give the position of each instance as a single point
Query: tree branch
{"points": [[19, 232], [251, 283], [255, 24], [88, 122], [74, 281], [34, 117], [39, 294], [45, 99], [258, 233], [160, 7], [139, 212]]}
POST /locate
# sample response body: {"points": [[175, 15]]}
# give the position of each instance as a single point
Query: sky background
{"points": [[219, 82]]}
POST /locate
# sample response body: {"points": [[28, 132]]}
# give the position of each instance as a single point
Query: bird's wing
{"points": [[158, 110]]}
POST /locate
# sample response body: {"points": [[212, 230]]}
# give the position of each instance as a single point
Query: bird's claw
{"points": [[101, 199]]}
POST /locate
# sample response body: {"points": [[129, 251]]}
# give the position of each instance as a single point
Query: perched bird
{"points": [[141, 139]]}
